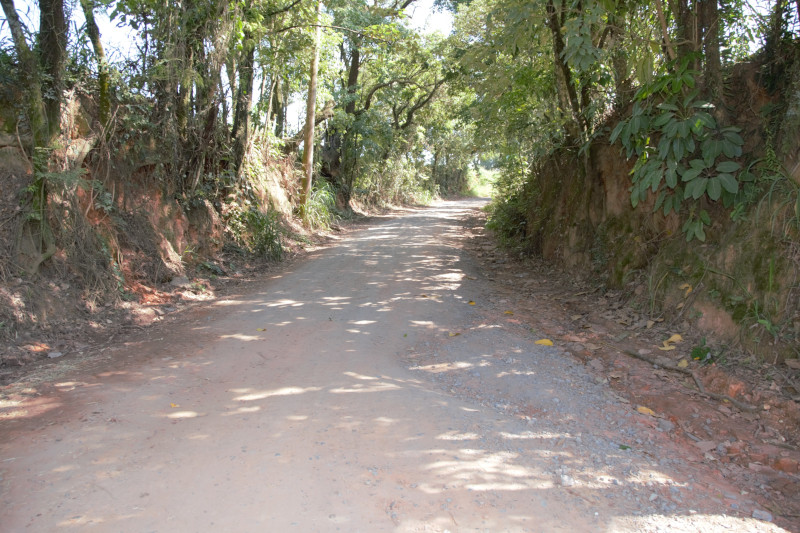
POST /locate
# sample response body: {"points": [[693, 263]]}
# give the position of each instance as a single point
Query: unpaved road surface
{"points": [[368, 387]]}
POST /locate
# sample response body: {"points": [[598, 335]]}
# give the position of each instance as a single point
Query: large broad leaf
{"points": [[634, 197], [671, 177], [728, 183], [659, 200], [696, 188], [653, 179], [678, 149], [714, 189], [663, 147], [691, 174], [700, 233], [616, 132], [711, 150], [685, 128], [728, 166], [698, 164], [732, 136], [662, 119]]}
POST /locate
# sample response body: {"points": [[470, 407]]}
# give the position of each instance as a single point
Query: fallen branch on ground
{"points": [[719, 397]]}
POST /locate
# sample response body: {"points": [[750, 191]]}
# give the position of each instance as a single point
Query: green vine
{"points": [[682, 153]]}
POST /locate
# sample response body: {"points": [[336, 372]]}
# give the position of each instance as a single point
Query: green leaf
{"points": [[671, 177], [663, 147], [728, 166], [617, 131], [662, 119], [678, 149], [704, 217], [668, 107], [698, 164], [714, 189], [691, 174], [685, 128], [690, 146], [700, 233], [730, 149], [671, 129], [660, 200], [696, 188], [706, 120], [634, 197], [747, 176], [728, 182], [711, 149], [668, 204], [733, 137], [700, 186], [654, 178]]}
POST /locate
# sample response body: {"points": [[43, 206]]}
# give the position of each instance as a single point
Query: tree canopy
{"points": [[400, 114]]}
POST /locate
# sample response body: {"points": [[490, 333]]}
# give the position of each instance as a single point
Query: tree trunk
{"points": [[619, 61], [244, 103], [685, 16], [279, 106], [709, 12], [103, 99], [555, 22], [29, 77], [36, 243], [352, 80], [308, 149], [53, 54], [662, 19]]}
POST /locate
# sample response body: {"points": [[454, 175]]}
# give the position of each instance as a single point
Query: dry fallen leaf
{"points": [[454, 334], [668, 344], [650, 324], [793, 363], [423, 295], [471, 302], [646, 410], [683, 363], [688, 289], [261, 329], [173, 405], [544, 342], [508, 312]]}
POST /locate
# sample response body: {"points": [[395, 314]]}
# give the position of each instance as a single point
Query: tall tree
{"points": [[93, 31], [308, 148], [29, 77], [53, 54]]}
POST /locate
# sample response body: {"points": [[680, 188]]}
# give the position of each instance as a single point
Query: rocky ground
{"points": [[756, 451]]}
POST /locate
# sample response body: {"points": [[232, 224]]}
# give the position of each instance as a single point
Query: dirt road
{"points": [[331, 399]]}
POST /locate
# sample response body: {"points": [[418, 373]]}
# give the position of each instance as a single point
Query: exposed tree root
{"points": [[719, 397]]}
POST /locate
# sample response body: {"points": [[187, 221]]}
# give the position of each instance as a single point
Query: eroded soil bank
{"points": [[391, 382]]}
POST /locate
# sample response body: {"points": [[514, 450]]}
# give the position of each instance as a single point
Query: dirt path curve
{"points": [[319, 403]]}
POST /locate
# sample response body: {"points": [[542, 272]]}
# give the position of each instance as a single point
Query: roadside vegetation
{"points": [[652, 144]]}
